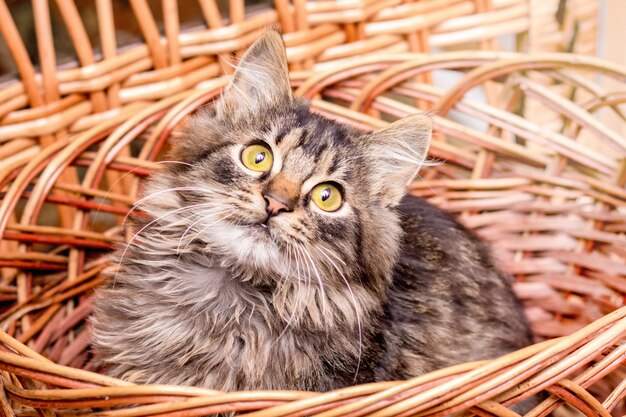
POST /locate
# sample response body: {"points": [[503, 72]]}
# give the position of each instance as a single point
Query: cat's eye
{"points": [[327, 196], [257, 157]]}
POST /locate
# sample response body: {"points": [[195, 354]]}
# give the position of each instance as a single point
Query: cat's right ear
{"points": [[260, 81], [396, 153]]}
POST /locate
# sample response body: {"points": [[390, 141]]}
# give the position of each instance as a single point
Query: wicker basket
{"points": [[553, 206], [527, 164]]}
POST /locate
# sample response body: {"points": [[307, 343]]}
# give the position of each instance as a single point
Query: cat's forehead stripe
{"points": [[289, 138], [334, 166], [279, 137], [310, 151], [299, 164]]}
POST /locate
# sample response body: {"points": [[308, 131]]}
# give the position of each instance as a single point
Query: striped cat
{"points": [[282, 253]]}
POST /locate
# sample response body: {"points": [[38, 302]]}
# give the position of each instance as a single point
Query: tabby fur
{"points": [[385, 288]]}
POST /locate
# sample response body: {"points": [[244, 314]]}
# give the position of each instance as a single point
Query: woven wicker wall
{"points": [[451, 22], [315, 31]]}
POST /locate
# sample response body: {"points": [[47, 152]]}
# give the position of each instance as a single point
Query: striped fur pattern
{"points": [[386, 287]]}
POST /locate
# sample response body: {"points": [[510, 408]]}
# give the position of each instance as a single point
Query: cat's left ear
{"points": [[261, 78], [397, 152]]}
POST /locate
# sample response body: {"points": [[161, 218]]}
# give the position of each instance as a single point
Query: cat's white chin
{"points": [[248, 245]]}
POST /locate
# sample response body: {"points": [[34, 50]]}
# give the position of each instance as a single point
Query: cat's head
{"points": [[273, 190]]}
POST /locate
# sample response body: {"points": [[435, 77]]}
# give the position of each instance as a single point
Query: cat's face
{"points": [[276, 191]]}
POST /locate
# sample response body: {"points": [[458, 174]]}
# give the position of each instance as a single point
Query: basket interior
{"points": [[525, 162]]}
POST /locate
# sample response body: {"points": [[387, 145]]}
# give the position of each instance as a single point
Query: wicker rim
{"points": [[438, 393]]}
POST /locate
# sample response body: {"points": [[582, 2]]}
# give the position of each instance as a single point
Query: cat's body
{"points": [[222, 332], [448, 303], [300, 267]]}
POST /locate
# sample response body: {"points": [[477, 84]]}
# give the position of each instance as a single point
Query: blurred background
{"points": [[596, 28], [605, 26]]}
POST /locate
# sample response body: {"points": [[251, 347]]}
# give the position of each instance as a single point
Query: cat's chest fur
{"points": [[220, 332]]}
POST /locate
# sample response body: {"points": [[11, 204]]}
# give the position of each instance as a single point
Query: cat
{"points": [[281, 252]]}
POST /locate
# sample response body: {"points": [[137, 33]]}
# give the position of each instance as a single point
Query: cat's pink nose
{"points": [[275, 204]]}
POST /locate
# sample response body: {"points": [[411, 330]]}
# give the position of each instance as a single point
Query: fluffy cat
{"points": [[282, 253]]}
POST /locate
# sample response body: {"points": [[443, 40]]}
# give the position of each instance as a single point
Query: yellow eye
{"points": [[327, 197], [257, 158]]}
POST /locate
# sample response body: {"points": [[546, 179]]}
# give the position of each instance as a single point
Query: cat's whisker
{"points": [[319, 279], [293, 311], [208, 215], [299, 276], [121, 178], [174, 211], [180, 252], [139, 202], [356, 311], [169, 213], [330, 252], [306, 280], [237, 219], [199, 232], [284, 278], [148, 197]]}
